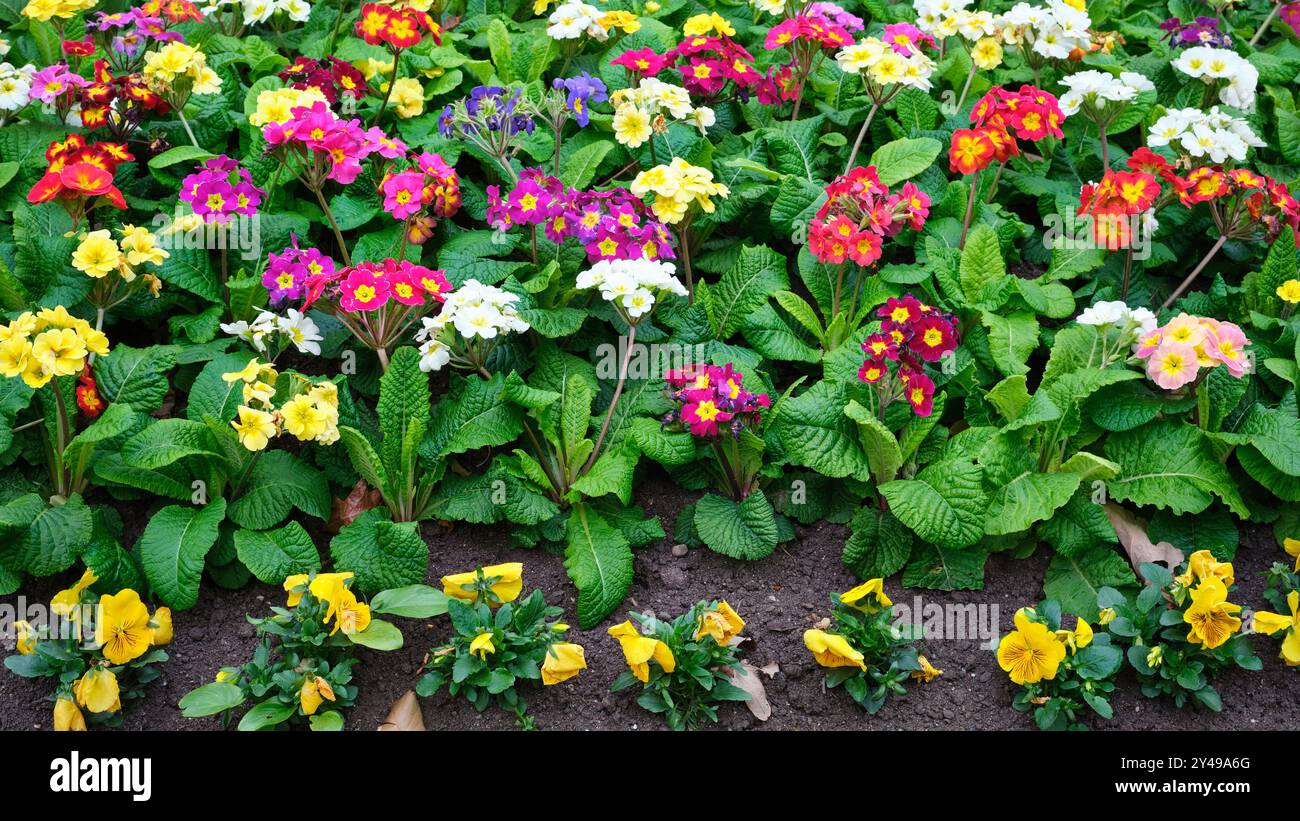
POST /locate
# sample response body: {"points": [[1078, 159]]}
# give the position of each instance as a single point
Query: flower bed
{"points": [[982, 308]]}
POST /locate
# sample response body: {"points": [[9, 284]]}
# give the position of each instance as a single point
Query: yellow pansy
{"points": [[639, 651], [122, 627], [1202, 565], [831, 650], [1292, 547], [97, 691], [509, 582], [563, 661], [68, 717], [1106, 615], [1211, 615], [867, 596], [25, 637], [1078, 638], [162, 631], [1031, 652], [928, 671], [1270, 623], [722, 623], [224, 676], [65, 601], [315, 690], [482, 645]]}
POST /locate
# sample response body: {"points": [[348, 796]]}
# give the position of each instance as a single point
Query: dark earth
{"points": [[779, 597]]}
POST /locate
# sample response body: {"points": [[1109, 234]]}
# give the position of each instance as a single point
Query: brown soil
{"points": [[779, 597]]}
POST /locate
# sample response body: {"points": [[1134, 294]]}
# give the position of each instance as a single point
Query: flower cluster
{"points": [[707, 63], [863, 651], [98, 255], [911, 334], [1113, 202], [321, 145], [51, 342], [632, 285], [1243, 200], [332, 77], [80, 176], [119, 103], [350, 615], [1202, 31], [219, 188], [575, 19], [478, 315], [611, 224], [99, 660], [394, 27], [579, 93], [859, 213], [1058, 30], [1223, 69], [422, 195], [310, 414], [901, 62], [288, 272], [712, 401], [259, 11], [270, 333], [1183, 349], [1029, 114], [1213, 135], [1101, 95], [15, 86], [676, 186], [276, 105], [639, 111], [177, 70]]}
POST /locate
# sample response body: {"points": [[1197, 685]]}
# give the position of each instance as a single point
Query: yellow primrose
{"points": [[509, 582], [722, 623], [1031, 652], [639, 651], [563, 661], [987, 53], [482, 645], [1270, 623], [25, 637], [1289, 291], [407, 97], [867, 596], [14, 355], [624, 21], [702, 24], [1211, 615], [831, 650], [162, 630], [256, 428], [97, 691], [141, 246], [302, 419], [315, 690], [97, 255], [122, 627], [65, 601], [928, 671], [60, 351], [68, 717]]}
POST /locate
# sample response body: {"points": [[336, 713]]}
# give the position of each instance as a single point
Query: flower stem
{"points": [[970, 207], [1268, 21], [388, 95], [1183, 286], [338, 235], [613, 402], [862, 133], [186, 123]]}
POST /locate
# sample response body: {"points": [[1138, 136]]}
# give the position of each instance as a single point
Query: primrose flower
{"points": [[676, 186], [220, 188], [711, 400], [1233, 75]]}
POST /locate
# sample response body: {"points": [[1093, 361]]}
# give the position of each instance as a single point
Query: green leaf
{"points": [[936, 568], [168, 441], [404, 400], [665, 447], [382, 553], [982, 272], [1012, 339], [744, 530], [274, 555], [134, 376], [815, 432], [1276, 435], [757, 273], [277, 483], [878, 443], [879, 544], [378, 635], [211, 699], [1028, 498], [945, 504], [415, 601], [172, 549], [1075, 580], [579, 168], [181, 153], [901, 159], [43, 539], [330, 721], [266, 715], [612, 473], [599, 560], [1171, 465]]}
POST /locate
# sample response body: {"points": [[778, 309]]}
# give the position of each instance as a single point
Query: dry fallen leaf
{"points": [[358, 501], [770, 669], [747, 679], [1132, 533], [405, 715]]}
